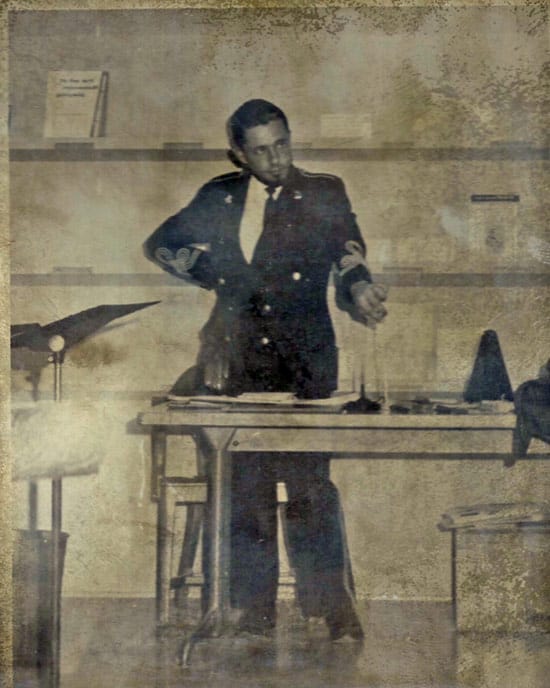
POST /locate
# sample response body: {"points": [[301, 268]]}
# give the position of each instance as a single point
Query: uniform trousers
{"points": [[315, 527], [316, 536]]}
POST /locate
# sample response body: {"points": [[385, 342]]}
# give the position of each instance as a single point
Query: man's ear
{"points": [[233, 158], [239, 154]]}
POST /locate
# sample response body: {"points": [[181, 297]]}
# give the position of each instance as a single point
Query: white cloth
{"points": [[56, 439], [252, 220]]}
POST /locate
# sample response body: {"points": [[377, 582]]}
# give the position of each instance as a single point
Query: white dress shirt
{"points": [[252, 220]]}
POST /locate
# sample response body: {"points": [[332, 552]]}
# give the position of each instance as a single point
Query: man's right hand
{"points": [[368, 300]]}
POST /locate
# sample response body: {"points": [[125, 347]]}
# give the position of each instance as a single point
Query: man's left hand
{"points": [[369, 300]]}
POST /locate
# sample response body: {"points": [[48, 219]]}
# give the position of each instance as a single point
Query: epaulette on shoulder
{"points": [[227, 177], [319, 175]]}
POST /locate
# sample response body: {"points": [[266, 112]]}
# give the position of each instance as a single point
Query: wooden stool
{"points": [[193, 494]]}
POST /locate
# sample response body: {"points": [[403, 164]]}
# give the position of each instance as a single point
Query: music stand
{"points": [[58, 337]]}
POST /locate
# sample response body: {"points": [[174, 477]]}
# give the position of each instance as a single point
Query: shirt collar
{"points": [[259, 188]]}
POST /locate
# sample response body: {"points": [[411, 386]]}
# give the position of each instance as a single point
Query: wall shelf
{"points": [[403, 279], [387, 154]]}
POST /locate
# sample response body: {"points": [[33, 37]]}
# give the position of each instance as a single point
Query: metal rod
{"points": [[56, 582], [57, 368], [384, 372], [56, 345], [376, 366]]}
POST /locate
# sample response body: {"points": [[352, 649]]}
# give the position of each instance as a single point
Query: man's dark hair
{"points": [[251, 114]]}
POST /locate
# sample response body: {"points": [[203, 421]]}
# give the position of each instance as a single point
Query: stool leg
{"points": [[193, 525], [203, 469]]}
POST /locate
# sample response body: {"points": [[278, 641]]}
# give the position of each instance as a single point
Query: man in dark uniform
{"points": [[266, 239]]}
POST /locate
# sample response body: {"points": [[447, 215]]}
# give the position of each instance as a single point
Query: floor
{"points": [[114, 643]]}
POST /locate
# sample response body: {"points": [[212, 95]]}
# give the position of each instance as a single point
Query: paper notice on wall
{"points": [[493, 231], [346, 126], [74, 104]]}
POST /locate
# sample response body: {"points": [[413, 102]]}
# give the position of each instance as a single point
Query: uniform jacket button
{"points": [[264, 340], [296, 276], [266, 308], [221, 280]]}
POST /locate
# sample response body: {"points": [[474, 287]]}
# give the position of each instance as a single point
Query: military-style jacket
{"points": [[276, 306]]}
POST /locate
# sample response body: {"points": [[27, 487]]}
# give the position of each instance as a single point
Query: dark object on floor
{"points": [[532, 405], [32, 582], [362, 405], [489, 379]]}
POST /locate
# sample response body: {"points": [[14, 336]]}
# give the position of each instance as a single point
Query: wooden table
{"points": [[221, 430]]}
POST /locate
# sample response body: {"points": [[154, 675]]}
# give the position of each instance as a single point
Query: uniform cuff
{"points": [[358, 274]]}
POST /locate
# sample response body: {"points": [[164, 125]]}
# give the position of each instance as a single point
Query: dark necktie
{"points": [[264, 241], [270, 205]]}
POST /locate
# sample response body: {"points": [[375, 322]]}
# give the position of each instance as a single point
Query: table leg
{"points": [[56, 584], [164, 537], [213, 622], [158, 469], [453, 579], [158, 460]]}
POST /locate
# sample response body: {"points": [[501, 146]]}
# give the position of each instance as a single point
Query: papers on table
{"points": [[285, 400], [262, 399], [451, 407]]}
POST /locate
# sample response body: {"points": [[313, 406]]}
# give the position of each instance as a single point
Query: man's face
{"points": [[266, 152]]}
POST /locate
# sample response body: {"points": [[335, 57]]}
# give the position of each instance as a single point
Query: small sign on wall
{"points": [[75, 104], [345, 127], [493, 231]]}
